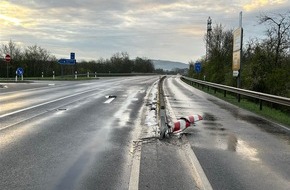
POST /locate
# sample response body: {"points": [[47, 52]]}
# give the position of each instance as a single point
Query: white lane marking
{"points": [[136, 148], [42, 104], [135, 169], [199, 174], [109, 100]]}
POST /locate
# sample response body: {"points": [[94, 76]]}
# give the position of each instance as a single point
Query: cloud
{"points": [[159, 29], [260, 4]]}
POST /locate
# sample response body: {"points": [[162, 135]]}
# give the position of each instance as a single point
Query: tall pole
{"points": [[7, 74], [241, 55], [239, 76]]}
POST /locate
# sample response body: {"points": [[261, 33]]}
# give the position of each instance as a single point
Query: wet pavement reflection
{"points": [[228, 141], [261, 123]]}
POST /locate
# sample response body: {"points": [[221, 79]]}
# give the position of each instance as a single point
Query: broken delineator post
{"points": [[184, 122]]}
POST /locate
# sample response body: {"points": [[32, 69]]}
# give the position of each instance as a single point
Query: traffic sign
{"points": [[19, 71], [197, 67], [67, 61], [235, 73], [72, 55], [7, 58]]}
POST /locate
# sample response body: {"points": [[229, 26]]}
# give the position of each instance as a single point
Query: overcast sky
{"points": [[156, 29]]}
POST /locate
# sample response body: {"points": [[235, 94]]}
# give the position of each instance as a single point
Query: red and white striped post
{"points": [[185, 122]]}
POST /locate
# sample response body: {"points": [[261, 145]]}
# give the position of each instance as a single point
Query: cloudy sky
{"points": [[156, 29]]}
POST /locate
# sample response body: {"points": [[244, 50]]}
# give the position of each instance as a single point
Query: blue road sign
{"points": [[19, 71], [67, 61], [197, 67], [72, 55]]}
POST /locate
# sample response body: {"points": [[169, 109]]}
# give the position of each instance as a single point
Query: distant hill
{"points": [[169, 65]]}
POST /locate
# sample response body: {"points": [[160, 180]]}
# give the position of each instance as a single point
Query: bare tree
{"points": [[278, 33], [12, 49]]}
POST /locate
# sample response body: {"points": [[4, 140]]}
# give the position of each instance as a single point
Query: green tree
{"points": [[218, 64]]}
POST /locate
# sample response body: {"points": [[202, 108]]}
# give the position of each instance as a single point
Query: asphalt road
{"points": [[236, 148], [69, 135], [98, 135]]}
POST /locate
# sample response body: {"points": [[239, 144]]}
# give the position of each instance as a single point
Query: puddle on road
{"points": [[224, 140], [209, 117], [214, 126], [232, 142]]}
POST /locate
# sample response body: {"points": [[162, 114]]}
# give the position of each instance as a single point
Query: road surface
{"points": [[70, 135], [100, 134], [236, 148]]}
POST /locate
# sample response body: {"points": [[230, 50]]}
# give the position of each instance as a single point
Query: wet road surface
{"points": [[70, 135], [65, 135], [236, 148]]}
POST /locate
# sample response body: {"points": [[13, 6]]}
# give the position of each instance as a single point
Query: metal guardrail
{"points": [[162, 110], [258, 95]]}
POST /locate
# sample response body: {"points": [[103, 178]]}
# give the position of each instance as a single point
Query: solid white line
{"points": [[201, 179], [199, 175], [137, 146], [109, 100], [135, 169]]}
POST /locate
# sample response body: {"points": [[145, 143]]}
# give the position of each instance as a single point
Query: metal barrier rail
{"points": [[162, 110], [258, 95]]}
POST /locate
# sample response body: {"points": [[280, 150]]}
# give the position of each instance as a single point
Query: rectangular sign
{"points": [[67, 61], [72, 55], [197, 67], [236, 60], [237, 39], [235, 73]]}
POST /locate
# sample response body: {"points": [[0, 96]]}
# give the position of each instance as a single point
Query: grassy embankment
{"points": [[268, 112]]}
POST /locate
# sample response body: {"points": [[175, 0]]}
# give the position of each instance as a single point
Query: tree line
{"points": [[265, 63], [36, 61]]}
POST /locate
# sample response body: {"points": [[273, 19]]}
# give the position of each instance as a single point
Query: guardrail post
{"points": [[95, 74], [225, 93], [53, 77], [88, 74], [239, 98], [76, 75], [261, 104]]}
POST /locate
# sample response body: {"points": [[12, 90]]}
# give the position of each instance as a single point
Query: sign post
{"points": [[7, 59], [237, 53], [71, 61], [19, 72]]}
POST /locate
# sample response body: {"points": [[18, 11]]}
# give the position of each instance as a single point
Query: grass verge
{"points": [[279, 116]]}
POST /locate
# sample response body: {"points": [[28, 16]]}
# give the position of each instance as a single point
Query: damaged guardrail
{"points": [[258, 95], [162, 110]]}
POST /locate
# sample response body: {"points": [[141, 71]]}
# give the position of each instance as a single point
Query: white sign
{"points": [[235, 73], [237, 39]]}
